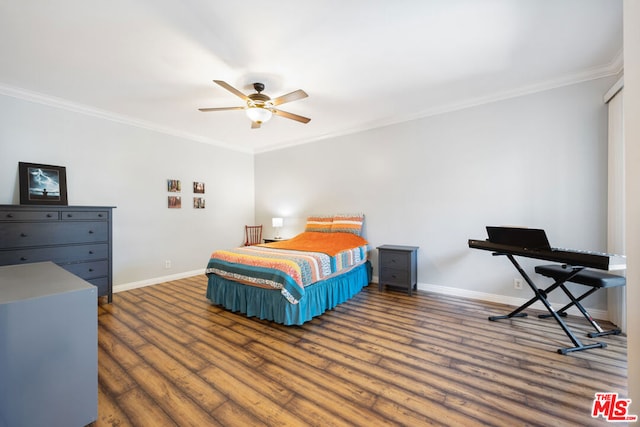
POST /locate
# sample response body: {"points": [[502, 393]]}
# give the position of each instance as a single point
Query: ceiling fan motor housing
{"points": [[258, 97]]}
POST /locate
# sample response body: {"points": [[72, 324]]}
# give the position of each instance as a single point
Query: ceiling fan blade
{"points": [[220, 109], [291, 116], [255, 125], [293, 96], [232, 89]]}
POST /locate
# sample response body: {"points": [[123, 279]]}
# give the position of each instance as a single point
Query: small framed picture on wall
{"points": [[198, 202], [198, 187], [175, 202], [174, 186]]}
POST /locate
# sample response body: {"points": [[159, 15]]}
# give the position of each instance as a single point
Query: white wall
{"points": [[537, 160], [115, 164]]}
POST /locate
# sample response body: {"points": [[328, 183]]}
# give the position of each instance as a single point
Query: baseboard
{"points": [[444, 290], [501, 299], [155, 280]]}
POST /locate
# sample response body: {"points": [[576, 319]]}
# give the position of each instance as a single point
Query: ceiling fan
{"points": [[259, 107]]}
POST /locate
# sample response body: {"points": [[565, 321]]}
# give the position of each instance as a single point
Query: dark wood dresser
{"points": [[397, 267], [77, 238]]}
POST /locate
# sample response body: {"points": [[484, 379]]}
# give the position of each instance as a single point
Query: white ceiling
{"points": [[364, 63]]}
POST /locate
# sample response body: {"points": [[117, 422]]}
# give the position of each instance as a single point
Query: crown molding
{"points": [[613, 68], [64, 104]]}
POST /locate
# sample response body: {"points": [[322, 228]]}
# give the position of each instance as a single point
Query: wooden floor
{"points": [[168, 357]]}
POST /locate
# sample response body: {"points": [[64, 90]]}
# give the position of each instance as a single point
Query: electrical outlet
{"points": [[517, 283], [167, 264]]}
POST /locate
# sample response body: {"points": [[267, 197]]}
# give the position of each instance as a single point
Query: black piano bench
{"points": [[595, 279]]}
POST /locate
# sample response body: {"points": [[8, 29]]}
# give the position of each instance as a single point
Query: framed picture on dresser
{"points": [[42, 184]]}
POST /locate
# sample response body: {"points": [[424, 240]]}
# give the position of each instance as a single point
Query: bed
{"points": [[294, 280]]}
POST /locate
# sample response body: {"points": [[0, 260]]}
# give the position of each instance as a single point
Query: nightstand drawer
{"points": [[394, 259], [395, 276]]}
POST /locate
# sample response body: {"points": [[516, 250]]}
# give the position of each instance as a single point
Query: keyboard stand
{"points": [[541, 295]]}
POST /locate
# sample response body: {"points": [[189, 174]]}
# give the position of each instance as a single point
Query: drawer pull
{"points": [[99, 215], [48, 215], [90, 231], [23, 235], [23, 258], [90, 252], [91, 270], [9, 215]]}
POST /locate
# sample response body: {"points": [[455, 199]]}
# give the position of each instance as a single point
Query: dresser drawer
{"points": [[85, 215], [20, 235], [394, 259], [88, 270], [25, 215], [57, 254], [102, 283]]}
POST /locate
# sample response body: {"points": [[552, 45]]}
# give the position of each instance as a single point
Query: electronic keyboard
{"points": [[588, 259]]}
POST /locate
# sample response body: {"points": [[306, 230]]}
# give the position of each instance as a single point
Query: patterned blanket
{"points": [[279, 266]]}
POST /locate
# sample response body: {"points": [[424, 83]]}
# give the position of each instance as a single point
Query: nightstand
{"points": [[397, 267], [273, 239]]}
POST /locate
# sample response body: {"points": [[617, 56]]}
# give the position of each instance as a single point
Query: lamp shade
{"points": [[277, 222], [259, 114]]}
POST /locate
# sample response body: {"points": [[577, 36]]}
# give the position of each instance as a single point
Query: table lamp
{"points": [[277, 224]]}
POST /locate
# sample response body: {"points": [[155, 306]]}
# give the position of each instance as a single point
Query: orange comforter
{"points": [[327, 243]]}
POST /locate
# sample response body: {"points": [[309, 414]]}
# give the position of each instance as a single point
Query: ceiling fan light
{"points": [[259, 114]]}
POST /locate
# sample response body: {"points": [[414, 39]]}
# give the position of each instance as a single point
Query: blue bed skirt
{"points": [[269, 304]]}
